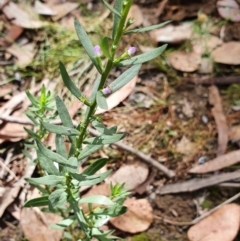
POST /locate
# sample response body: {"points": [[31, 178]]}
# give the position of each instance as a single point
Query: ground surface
{"points": [[168, 114]]}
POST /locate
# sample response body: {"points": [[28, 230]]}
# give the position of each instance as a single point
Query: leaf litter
{"points": [[155, 150]]}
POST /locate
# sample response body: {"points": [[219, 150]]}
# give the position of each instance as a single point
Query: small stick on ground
{"points": [[198, 219], [120, 145]]}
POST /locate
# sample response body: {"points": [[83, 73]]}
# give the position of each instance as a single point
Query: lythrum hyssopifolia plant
{"points": [[61, 180]]}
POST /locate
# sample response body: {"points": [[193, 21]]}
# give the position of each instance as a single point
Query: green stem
{"points": [[83, 127]]}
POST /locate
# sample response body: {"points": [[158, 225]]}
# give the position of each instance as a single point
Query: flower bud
{"points": [[131, 50], [97, 50]]}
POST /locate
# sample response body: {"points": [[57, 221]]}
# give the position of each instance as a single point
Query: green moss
{"points": [[145, 237]]}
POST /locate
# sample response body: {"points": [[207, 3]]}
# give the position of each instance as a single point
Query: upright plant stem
{"points": [[104, 76]]}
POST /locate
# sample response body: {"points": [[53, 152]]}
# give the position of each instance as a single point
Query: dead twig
{"points": [[198, 219], [214, 80], [120, 145], [197, 183]]}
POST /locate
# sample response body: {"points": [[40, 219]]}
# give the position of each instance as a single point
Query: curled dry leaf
{"points": [[132, 175], [222, 225], [120, 95], [138, 218], [220, 119], [227, 53], [218, 163], [183, 61], [20, 17], [36, 225], [229, 9]]}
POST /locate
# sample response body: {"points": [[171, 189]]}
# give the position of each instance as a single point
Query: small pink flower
{"points": [[97, 50], [107, 91], [131, 50]]}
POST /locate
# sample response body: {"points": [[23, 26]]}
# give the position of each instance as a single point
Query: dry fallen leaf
{"points": [[220, 119], [183, 61], [138, 218], [36, 225], [132, 175], [24, 54], [172, 34], [63, 9], [7, 197], [218, 163], [119, 96], [229, 9], [20, 17], [135, 13], [43, 9], [222, 225], [227, 53]]}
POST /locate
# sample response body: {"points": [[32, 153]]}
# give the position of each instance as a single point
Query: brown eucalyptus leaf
{"points": [[229, 9], [20, 17], [227, 53], [138, 218], [183, 61], [222, 225], [220, 119], [36, 225], [132, 175], [218, 163]]}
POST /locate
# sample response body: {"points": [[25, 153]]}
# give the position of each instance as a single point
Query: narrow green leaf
{"points": [[98, 199], [101, 128], [142, 58], [113, 130], [112, 9], [105, 47], [61, 130], [79, 215], [86, 43], [88, 150], [63, 223], [32, 118], [112, 211], [50, 180], [63, 113], [125, 78], [73, 161], [68, 82], [37, 202], [105, 139], [85, 180], [46, 164], [55, 157], [145, 29], [31, 133], [95, 166], [101, 101], [32, 98], [60, 146], [116, 18], [58, 197]]}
